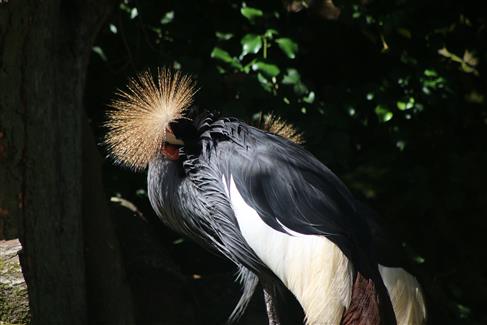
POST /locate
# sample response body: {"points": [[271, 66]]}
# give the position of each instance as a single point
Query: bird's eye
{"points": [[184, 129]]}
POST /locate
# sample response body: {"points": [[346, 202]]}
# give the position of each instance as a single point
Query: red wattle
{"points": [[170, 152]]}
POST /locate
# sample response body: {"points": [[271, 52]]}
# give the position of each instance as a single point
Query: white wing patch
{"points": [[406, 295], [311, 267]]}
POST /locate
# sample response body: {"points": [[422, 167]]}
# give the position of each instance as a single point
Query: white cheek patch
{"points": [[310, 266]]}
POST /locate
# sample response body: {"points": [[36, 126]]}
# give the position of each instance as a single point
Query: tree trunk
{"points": [[108, 291], [14, 301], [44, 50]]}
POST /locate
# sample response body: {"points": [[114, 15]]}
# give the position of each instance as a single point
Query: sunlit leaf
{"points": [[469, 69], [383, 113], [251, 43], [401, 145], [251, 13], [168, 18], [223, 36], [310, 98], [125, 7], [270, 33], [403, 106], [447, 54], [178, 241], [419, 259], [351, 111], [134, 13], [288, 46], [385, 46], [292, 77], [113, 28], [430, 73], [224, 56], [98, 50], [221, 54], [470, 59], [270, 70], [356, 12], [266, 84]]}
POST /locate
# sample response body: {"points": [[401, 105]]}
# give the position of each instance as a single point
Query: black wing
{"points": [[288, 186], [290, 189]]}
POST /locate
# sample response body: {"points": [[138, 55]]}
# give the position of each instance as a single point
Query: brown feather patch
{"points": [[276, 125], [140, 115], [364, 306]]}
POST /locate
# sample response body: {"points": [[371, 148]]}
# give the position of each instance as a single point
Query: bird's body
{"points": [[255, 197], [271, 207]]}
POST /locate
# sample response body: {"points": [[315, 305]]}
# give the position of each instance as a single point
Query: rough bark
{"points": [[14, 301], [108, 293], [44, 50]]}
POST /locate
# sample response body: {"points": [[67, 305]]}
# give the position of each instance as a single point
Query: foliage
{"points": [[390, 95]]}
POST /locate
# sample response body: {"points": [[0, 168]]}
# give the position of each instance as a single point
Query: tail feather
{"points": [[249, 281], [406, 295]]}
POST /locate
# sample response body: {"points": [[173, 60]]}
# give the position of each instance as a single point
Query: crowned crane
{"points": [[404, 289], [257, 198]]}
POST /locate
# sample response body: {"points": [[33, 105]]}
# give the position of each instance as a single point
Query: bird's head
{"points": [[147, 120]]}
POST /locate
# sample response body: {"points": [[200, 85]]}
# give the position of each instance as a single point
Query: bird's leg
{"points": [[270, 307]]}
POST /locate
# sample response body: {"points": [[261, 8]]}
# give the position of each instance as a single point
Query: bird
{"points": [[259, 199], [404, 290]]}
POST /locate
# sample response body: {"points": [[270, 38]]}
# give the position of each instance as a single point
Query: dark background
{"points": [[391, 95]]}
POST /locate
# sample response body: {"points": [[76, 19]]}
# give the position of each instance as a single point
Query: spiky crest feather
{"points": [[276, 125], [140, 115]]}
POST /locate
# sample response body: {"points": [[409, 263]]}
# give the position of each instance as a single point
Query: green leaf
{"points": [[266, 84], [447, 54], [113, 28], [98, 50], [383, 113], [178, 241], [221, 54], [251, 13], [134, 13], [168, 18], [224, 56], [403, 106], [125, 7], [251, 43], [401, 145], [223, 36], [288, 46], [463, 311], [404, 32], [270, 33], [270, 70], [419, 259], [310, 98], [430, 73], [292, 77]]}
